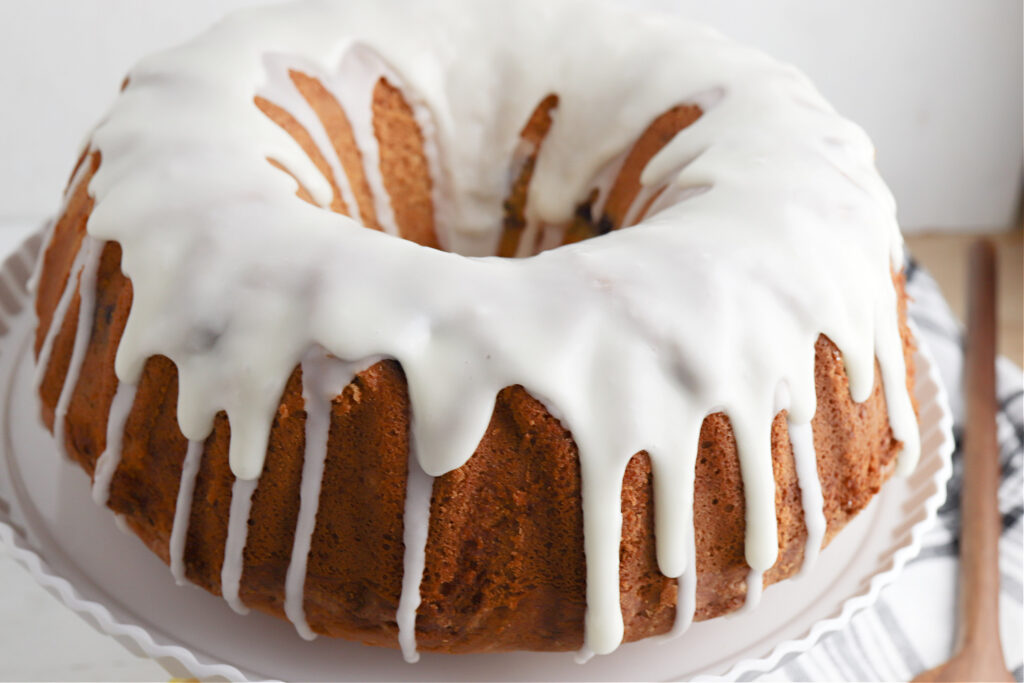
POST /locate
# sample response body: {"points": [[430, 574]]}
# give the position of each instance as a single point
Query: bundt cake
{"points": [[465, 327]]}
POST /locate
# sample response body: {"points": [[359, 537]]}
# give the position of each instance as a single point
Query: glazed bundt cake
{"points": [[467, 327]]}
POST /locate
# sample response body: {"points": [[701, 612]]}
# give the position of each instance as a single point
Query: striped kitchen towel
{"points": [[911, 627]]}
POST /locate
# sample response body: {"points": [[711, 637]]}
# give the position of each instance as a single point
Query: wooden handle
{"points": [[979, 655], [981, 523]]}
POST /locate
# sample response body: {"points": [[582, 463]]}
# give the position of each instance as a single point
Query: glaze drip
{"points": [[59, 315], [323, 378], [90, 252], [110, 458], [234, 547], [183, 510], [801, 438], [416, 524]]}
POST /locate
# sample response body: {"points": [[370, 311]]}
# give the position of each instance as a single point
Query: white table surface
{"points": [[40, 638]]}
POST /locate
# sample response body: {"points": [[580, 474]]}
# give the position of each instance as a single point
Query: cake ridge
{"points": [[110, 458], [183, 511]]}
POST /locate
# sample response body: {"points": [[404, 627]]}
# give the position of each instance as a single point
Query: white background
{"points": [[936, 83]]}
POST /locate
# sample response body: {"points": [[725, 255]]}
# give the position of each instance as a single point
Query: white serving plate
{"points": [[75, 550]]}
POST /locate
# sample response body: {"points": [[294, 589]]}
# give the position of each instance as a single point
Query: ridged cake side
{"points": [[505, 566]]}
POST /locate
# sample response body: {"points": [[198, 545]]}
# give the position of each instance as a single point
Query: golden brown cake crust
{"points": [[505, 567]]}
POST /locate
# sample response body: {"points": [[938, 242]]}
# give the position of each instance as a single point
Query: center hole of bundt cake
{"points": [[380, 173], [617, 199]]}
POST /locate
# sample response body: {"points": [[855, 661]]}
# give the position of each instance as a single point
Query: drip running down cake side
{"points": [[464, 435]]}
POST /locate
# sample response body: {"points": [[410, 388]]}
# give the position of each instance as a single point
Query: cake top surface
{"points": [[775, 228]]}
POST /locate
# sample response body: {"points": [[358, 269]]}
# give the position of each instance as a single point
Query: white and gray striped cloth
{"points": [[911, 627]]}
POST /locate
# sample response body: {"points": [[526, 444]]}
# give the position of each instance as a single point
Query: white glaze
{"points": [[686, 601], [755, 588], [57, 319], [323, 378], [110, 458], [121, 522], [775, 228], [234, 547], [83, 331], [801, 438], [416, 522], [37, 270], [183, 510], [286, 95], [805, 460]]}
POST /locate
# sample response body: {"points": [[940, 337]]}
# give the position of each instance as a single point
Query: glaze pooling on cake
{"points": [[630, 340]]}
